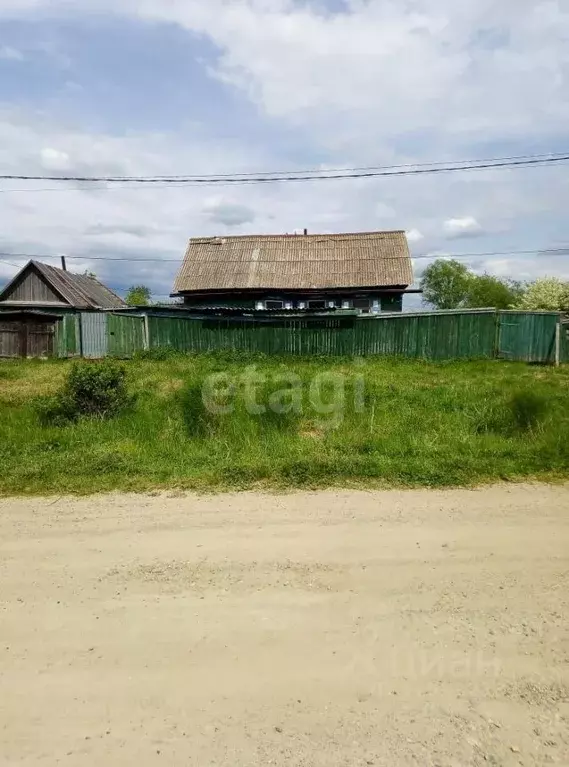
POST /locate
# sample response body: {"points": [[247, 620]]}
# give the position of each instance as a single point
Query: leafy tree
{"points": [[547, 294], [488, 291], [138, 295], [446, 284]]}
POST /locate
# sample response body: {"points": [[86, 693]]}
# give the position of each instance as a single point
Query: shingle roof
{"points": [[78, 290], [368, 259]]}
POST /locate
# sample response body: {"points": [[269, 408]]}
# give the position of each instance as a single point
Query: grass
{"points": [[421, 424]]}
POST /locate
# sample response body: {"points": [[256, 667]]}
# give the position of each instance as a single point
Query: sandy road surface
{"points": [[385, 628]]}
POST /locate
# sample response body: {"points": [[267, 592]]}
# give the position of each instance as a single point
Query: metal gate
{"points": [[526, 336], [94, 342]]}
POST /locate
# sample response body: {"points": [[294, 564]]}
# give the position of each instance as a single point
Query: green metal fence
{"points": [[126, 335], [475, 334], [564, 341], [459, 335], [67, 336], [526, 336]]}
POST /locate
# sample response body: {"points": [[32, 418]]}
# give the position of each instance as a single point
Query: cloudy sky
{"points": [[143, 87]]}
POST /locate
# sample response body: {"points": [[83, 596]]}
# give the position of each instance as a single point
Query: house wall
{"points": [[387, 302], [32, 287], [214, 300]]}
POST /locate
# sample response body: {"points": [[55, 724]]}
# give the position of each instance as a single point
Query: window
{"points": [[274, 304], [317, 304], [362, 304]]}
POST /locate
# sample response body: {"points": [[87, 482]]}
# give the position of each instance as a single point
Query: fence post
{"points": [[497, 334], [558, 343], [80, 332], [146, 332]]}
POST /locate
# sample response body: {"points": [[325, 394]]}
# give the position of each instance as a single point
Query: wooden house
{"points": [[368, 272]]}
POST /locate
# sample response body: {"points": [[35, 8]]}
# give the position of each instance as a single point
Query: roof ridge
{"points": [[335, 235]]}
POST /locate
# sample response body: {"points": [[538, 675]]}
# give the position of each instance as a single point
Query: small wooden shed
{"points": [[33, 304]]}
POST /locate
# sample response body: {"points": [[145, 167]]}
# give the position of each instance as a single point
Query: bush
{"points": [[92, 389], [55, 411]]}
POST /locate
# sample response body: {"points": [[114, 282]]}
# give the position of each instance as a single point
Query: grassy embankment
{"points": [[422, 424]]}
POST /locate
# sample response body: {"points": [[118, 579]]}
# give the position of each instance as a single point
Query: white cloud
{"points": [[11, 54], [459, 68], [54, 159], [414, 235], [498, 267], [228, 213], [462, 227]]}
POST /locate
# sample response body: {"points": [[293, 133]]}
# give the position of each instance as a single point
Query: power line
{"points": [[243, 179], [536, 251], [545, 155]]}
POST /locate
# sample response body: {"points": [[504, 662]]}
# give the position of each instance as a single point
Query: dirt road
{"points": [[316, 629]]}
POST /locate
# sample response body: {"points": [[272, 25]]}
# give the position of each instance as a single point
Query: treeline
{"points": [[451, 285]]}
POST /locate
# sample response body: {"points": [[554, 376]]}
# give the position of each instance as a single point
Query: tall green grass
{"points": [[421, 424]]}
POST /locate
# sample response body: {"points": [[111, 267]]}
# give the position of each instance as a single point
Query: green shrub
{"points": [[92, 389], [55, 411], [97, 388]]}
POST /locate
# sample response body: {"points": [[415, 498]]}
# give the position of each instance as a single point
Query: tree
{"points": [[487, 291], [138, 295], [446, 284], [546, 294]]}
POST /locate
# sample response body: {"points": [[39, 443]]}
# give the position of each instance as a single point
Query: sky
{"points": [[170, 87]]}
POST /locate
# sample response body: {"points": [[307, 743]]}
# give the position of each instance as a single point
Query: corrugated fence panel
{"points": [[125, 335], [429, 336], [67, 337], [94, 340], [453, 335], [527, 336], [565, 341]]}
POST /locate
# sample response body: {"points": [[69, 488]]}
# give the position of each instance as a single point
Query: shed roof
{"points": [[77, 290], [301, 262]]}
